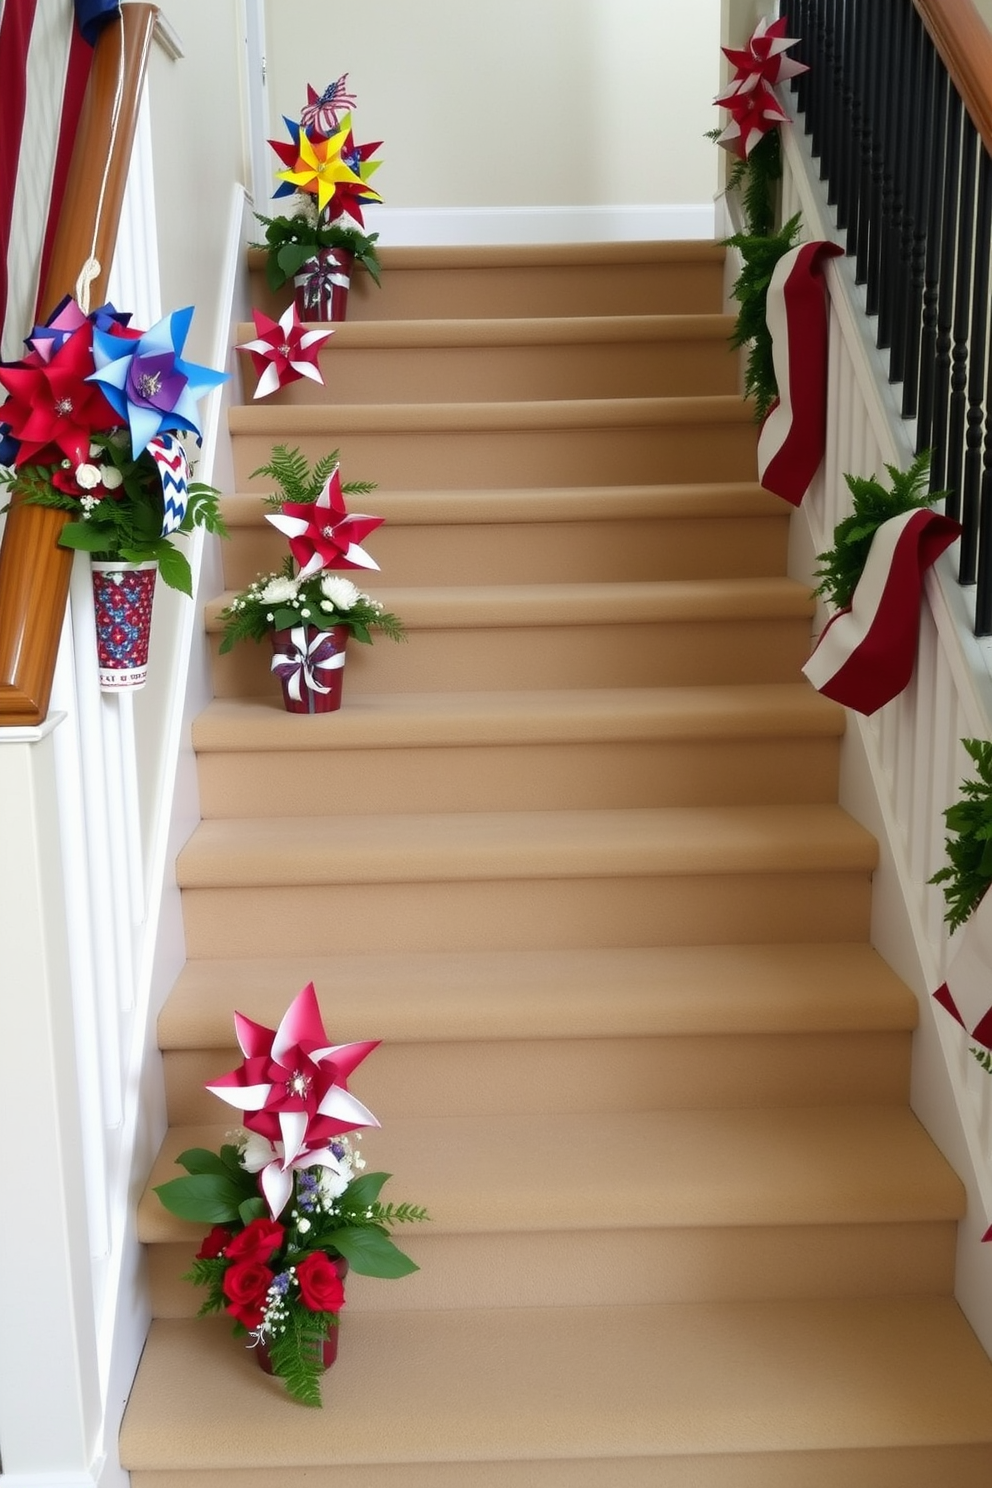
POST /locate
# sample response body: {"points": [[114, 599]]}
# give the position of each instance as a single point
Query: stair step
{"points": [[822, 1392], [524, 636], [670, 841], [657, 278], [520, 751], [669, 876], [400, 361], [463, 445], [602, 534], [683, 991], [797, 1170]]}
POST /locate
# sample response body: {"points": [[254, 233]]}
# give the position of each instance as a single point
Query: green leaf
{"points": [[370, 1252], [362, 1192], [204, 1198], [201, 1160], [175, 570], [254, 1208], [84, 537]]}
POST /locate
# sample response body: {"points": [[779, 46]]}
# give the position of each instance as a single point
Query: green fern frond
{"points": [[296, 1353], [984, 1057], [842, 565], [968, 872], [760, 255]]}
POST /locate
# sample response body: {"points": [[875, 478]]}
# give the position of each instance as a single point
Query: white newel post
{"points": [[49, 1391]]}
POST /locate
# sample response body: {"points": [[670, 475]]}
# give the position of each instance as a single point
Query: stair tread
{"points": [[530, 605], [546, 504], [542, 255], [753, 1166], [574, 1383], [288, 421], [667, 840], [619, 993], [485, 331], [404, 720]]}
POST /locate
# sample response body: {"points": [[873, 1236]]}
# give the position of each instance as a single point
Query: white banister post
{"points": [[50, 1407]]}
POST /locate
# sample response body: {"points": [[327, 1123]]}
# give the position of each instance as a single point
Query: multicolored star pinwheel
{"points": [[52, 407], [335, 170], [293, 1089], [322, 171], [147, 381], [322, 534], [283, 351]]}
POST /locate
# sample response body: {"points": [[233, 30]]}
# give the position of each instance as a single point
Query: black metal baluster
{"points": [[937, 150], [902, 171], [826, 65], [977, 228], [960, 327], [879, 86], [866, 89], [920, 186], [945, 294], [845, 121]]}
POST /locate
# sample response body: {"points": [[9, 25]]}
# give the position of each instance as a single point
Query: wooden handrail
{"points": [[34, 570], [964, 44]]}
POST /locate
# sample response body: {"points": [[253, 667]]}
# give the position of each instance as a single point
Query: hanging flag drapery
{"points": [[866, 653], [794, 433], [45, 61], [967, 992]]}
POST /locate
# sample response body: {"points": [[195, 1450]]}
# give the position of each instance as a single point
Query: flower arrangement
{"points": [[94, 425], [328, 175], [288, 1201], [309, 509], [968, 872]]}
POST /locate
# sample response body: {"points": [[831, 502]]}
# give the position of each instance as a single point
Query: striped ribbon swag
{"points": [[793, 436], [866, 653]]}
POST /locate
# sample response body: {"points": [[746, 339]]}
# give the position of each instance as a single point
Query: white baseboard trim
{"points": [[437, 227]]}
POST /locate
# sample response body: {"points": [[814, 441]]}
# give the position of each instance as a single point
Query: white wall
{"points": [[517, 103]]}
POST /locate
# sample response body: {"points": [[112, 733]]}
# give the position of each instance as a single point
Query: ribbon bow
{"points": [[322, 280], [297, 665]]}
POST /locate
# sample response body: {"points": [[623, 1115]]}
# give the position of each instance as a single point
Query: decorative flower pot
{"points": [[122, 603], [328, 1353], [310, 665], [329, 1347], [321, 287]]}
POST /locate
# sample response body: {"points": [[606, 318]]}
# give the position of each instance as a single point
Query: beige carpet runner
{"points": [[574, 854]]}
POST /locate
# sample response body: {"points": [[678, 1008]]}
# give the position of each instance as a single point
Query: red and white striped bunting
{"points": [[793, 435], [967, 992], [866, 653]]}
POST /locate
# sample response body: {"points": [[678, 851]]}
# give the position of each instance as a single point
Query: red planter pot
{"points": [[310, 666], [122, 605], [321, 287], [329, 1349]]}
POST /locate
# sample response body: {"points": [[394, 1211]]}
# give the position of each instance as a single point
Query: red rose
{"points": [[257, 1241], [245, 1286], [213, 1244], [320, 1284]]}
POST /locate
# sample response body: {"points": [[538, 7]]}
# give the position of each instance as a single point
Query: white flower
{"points": [[303, 1225], [279, 590], [111, 477], [257, 1153], [331, 1184], [341, 592], [87, 476]]}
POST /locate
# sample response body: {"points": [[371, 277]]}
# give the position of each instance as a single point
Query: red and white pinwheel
{"points": [[283, 351], [323, 534], [749, 99], [293, 1090]]}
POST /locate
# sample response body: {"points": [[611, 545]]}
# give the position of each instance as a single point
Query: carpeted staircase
{"points": [[574, 854]]}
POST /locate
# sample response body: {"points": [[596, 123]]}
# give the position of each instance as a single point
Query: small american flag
{"points": [[322, 114]]}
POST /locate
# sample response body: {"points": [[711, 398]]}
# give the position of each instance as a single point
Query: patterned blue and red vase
{"points": [[122, 602]]}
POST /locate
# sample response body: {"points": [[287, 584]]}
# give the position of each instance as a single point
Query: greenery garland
{"points": [[760, 256], [968, 872], [842, 565]]}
